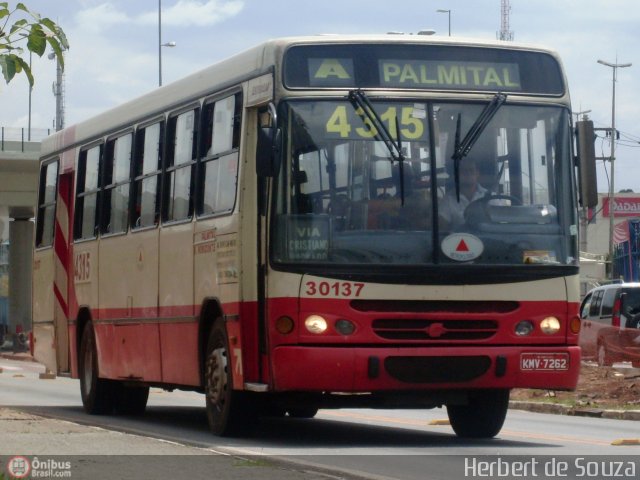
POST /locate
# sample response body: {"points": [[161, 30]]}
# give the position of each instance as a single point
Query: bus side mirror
{"points": [[587, 163], [269, 143]]}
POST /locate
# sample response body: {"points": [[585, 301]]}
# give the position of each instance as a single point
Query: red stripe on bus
{"points": [[61, 249], [61, 300]]}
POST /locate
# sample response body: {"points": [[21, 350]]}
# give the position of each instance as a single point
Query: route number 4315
{"points": [[342, 121]]}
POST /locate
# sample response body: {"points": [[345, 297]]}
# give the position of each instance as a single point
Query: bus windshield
{"points": [[343, 198]]}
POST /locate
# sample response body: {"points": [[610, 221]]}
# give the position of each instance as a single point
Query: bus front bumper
{"points": [[369, 369]]}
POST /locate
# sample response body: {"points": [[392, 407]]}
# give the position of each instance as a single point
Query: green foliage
{"points": [[31, 32]]}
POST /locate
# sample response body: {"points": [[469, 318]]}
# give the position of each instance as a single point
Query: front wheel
{"points": [[227, 411], [483, 415], [97, 393]]}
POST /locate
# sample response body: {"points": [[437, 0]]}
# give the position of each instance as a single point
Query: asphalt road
{"points": [[405, 444]]}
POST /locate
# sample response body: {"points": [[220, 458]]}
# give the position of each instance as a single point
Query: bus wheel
{"points": [[97, 393], [302, 412], [226, 410], [131, 400], [482, 417], [604, 359]]}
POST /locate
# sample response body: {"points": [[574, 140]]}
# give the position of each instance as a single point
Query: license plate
{"points": [[544, 361]]}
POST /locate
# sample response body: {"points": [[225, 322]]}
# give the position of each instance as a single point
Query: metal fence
{"points": [[13, 139]]}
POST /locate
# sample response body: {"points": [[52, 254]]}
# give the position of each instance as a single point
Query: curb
{"points": [[25, 357], [540, 407]]}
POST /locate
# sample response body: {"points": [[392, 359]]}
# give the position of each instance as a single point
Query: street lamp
{"points": [[160, 44], [448, 12], [614, 67]]}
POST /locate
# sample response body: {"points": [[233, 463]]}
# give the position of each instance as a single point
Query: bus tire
{"points": [[227, 410], [482, 417], [131, 400], [302, 412], [97, 393]]}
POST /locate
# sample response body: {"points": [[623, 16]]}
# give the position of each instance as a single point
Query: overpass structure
{"points": [[18, 199]]}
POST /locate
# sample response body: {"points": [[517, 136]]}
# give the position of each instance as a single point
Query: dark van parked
{"points": [[611, 324]]}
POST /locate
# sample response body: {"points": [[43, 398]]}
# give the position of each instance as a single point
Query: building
{"points": [[595, 230]]}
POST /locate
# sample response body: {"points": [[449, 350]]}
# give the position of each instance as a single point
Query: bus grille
{"points": [[435, 306], [437, 369], [418, 329]]}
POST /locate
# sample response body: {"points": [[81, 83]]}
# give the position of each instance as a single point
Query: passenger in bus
{"points": [[451, 210], [387, 212]]}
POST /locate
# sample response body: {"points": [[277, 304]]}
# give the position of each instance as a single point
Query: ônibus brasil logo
{"points": [[18, 467]]}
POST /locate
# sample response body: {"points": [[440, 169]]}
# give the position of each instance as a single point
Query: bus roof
{"points": [[242, 66]]}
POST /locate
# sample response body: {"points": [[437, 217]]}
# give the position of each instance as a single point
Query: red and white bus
{"points": [[275, 232]]}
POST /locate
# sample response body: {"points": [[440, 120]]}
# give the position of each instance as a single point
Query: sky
{"points": [[113, 53]]}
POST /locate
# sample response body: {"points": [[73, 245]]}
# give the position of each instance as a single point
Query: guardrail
{"points": [[13, 139]]}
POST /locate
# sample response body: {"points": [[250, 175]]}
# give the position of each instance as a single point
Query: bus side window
{"points": [[147, 165], [115, 198], [221, 121], [88, 189], [47, 204], [181, 155]]}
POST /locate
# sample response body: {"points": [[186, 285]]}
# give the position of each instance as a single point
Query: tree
{"points": [[30, 31]]}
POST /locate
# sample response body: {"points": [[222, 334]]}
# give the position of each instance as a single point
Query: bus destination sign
{"points": [[423, 68], [450, 75], [337, 72]]}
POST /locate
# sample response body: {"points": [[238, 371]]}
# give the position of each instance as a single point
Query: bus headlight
{"points": [[550, 325], [315, 324], [524, 328]]}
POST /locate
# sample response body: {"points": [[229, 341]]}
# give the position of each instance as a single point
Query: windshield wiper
{"points": [[360, 101], [462, 148]]}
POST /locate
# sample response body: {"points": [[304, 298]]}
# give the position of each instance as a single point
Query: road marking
{"points": [[503, 433], [626, 441], [544, 436], [441, 421], [360, 416]]}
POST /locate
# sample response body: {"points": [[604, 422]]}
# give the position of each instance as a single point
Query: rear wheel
{"points": [[97, 393], [482, 417], [131, 400], [227, 410]]}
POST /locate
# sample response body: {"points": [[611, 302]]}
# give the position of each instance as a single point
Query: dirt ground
{"points": [[598, 387]]}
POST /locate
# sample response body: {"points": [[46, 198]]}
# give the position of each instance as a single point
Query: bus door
{"points": [[51, 267], [62, 278]]}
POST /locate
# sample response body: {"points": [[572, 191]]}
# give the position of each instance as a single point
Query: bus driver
{"points": [[451, 210]]}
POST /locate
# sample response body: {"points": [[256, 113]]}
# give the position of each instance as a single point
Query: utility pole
{"points": [[58, 92], [614, 68]]}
